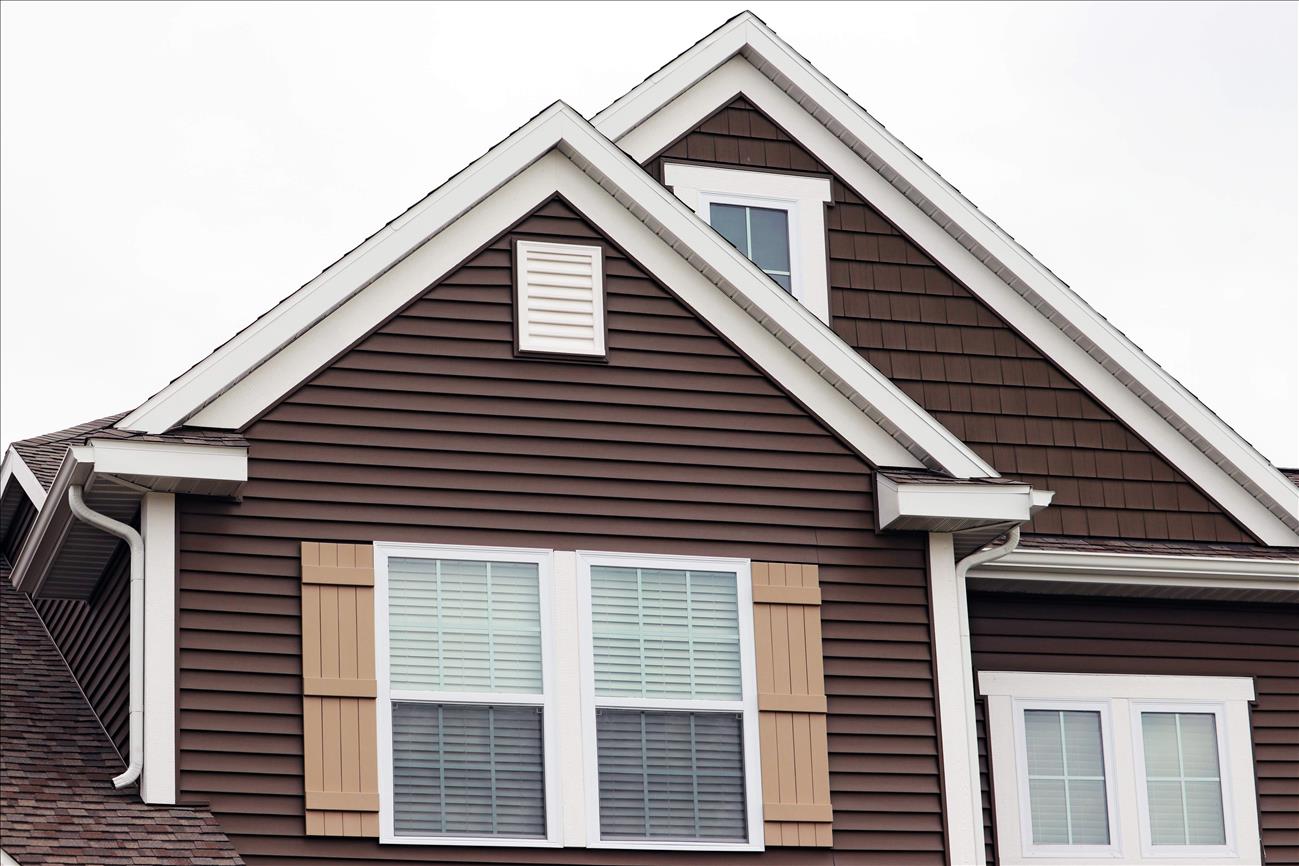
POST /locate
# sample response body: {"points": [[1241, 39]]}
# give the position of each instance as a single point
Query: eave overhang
{"points": [[1219, 578], [952, 505], [64, 558]]}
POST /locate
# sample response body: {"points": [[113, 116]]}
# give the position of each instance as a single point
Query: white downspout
{"points": [[136, 543], [963, 566]]}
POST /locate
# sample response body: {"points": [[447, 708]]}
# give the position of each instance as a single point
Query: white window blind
{"points": [[559, 298], [1183, 778], [1066, 777], [665, 633]]}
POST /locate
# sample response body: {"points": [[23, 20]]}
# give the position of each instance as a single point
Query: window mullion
{"points": [[1064, 764]]}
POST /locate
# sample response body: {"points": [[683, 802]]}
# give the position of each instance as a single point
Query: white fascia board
{"points": [[1208, 572], [912, 502], [300, 310], [132, 457], [14, 469], [876, 417], [51, 525], [978, 252]]}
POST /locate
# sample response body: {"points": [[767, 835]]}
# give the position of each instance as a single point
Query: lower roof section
{"points": [[57, 803]]}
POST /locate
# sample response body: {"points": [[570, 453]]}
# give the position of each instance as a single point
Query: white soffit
{"points": [[560, 151], [745, 56], [947, 507]]}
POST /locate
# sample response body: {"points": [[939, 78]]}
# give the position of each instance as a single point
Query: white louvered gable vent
{"points": [[559, 298]]}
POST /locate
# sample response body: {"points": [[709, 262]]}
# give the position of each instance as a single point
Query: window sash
{"points": [[1218, 711], [746, 705], [387, 696]]}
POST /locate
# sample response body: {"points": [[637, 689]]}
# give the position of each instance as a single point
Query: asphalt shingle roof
{"points": [[57, 803]]}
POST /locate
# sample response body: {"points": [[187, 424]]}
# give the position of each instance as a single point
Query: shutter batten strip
{"points": [[792, 732], [340, 740]]}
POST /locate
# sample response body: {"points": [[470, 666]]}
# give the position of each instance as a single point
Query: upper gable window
{"points": [[776, 220]]}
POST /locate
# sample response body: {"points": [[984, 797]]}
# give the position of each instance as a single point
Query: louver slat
{"points": [[559, 298]]}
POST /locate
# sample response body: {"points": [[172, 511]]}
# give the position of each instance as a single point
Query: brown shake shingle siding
{"points": [[1136, 636], [431, 430], [955, 357]]}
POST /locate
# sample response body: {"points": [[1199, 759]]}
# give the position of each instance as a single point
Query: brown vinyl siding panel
{"points": [[1135, 636], [431, 430], [94, 637], [955, 357]]}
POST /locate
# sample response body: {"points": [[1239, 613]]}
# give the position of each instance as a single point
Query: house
{"points": [[706, 476]]}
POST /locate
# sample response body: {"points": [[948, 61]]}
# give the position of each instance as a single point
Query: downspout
{"points": [[115, 527], [963, 566]]}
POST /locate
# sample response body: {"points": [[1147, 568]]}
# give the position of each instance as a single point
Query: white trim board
{"points": [[1121, 698], [564, 154], [744, 55], [13, 468], [1200, 572]]}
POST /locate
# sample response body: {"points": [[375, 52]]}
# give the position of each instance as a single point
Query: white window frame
{"points": [[1219, 711], [1032, 849], [1125, 696], [802, 197], [747, 705], [383, 551]]}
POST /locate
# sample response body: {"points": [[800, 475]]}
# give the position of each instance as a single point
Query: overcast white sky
{"points": [[171, 171]]}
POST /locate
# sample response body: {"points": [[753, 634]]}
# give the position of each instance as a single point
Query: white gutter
{"points": [[136, 542]]}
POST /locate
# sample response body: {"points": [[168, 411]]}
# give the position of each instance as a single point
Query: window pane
{"points": [[769, 233], [460, 625], [1066, 777], [729, 221], [665, 633], [462, 770], [1183, 781], [670, 775], [783, 281]]}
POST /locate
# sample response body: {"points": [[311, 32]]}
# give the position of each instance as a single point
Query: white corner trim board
{"points": [[802, 198], [158, 527], [13, 468], [745, 56], [303, 333], [956, 730], [1119, 700]]}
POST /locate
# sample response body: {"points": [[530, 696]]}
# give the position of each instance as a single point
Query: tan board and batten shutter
{"points": [[338, 690], [791, 705]]}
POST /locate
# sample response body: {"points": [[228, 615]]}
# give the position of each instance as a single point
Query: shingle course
{"points": [[57, 803]]}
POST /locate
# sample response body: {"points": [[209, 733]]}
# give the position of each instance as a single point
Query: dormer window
{"points": [[776, 220]]}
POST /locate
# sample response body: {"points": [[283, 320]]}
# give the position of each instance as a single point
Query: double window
{"points": [[1128, 769], [558, 698]]}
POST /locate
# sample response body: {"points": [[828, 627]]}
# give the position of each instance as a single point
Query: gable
{"points": [[960, 360], [744, 56]]}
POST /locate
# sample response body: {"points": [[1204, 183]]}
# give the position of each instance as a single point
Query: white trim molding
{"points": [[954, 507], [13, 468], [1120, 699], [802, 198], [559, 151], [745, 56], [158, 528], [1151, 571]]}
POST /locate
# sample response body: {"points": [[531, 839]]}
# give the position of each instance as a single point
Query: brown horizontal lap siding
{"points": [[431, 430], [959, 360], [1134, 636], [94, 637]]}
